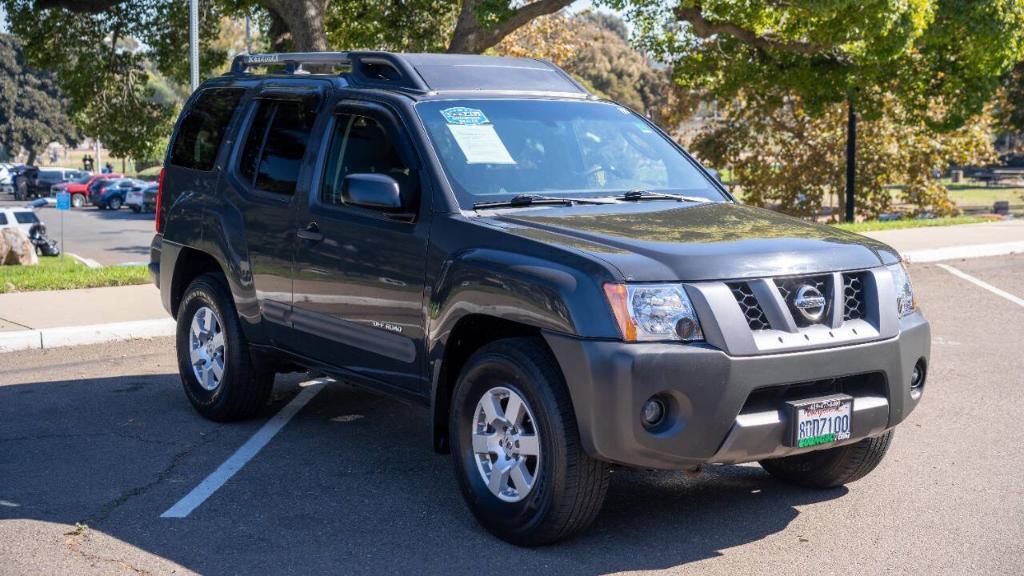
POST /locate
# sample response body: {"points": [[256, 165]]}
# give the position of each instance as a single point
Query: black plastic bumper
{"points": [[610, 381]]}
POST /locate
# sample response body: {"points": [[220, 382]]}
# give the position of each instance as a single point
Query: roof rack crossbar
{"points": [[293, 62]]}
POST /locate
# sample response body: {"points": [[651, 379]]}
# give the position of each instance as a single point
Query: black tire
{"points": [[833, 466], [244, 387], [114, 203], [77, 200], [136, 209], [569, 486]]}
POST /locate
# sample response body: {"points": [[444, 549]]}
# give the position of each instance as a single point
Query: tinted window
{"points": [[26, 217], [360, 145], [3, 219], [203, 128], [276, 144]]}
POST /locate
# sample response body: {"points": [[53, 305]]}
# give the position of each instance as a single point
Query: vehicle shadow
{"points": [[349, 486]]}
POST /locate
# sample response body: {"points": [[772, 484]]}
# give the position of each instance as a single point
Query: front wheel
{"points": [[77, 200], [217, 369], [516, 447], [833, 466]]}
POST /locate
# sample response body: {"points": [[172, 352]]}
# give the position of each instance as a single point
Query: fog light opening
{"points": [[653, 412], [917, 377]]}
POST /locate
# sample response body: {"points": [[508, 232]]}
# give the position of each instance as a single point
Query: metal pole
{"points": [[851, 158], [193, 41], [248, 35]]}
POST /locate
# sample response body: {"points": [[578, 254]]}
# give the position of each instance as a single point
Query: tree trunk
{"points": [[851, 158], [304, 20], [31, 157]]}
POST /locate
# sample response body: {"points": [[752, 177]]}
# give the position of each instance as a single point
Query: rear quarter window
{"points": [[203, 128], [3, 219], [26, 217]]}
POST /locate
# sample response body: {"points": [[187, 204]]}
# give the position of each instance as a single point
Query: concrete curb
{"points": [[87, 262], [81, 335], [961, 252]]}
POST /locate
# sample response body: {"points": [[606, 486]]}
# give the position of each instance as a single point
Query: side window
{"points": [[3, 219], [276, 144], [202, 131], [360, 145], [26, 217]]}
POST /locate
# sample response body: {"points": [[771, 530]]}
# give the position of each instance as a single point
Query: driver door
{"points": [[359, 271]]}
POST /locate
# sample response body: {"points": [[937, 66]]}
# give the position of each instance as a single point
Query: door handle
{"points": [[311, 233]]}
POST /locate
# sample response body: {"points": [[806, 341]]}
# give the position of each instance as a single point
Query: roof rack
{"points": [[428, 73], [368, 68]]}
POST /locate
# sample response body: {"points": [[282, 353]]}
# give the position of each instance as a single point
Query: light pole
{"points": [[193, 41]]}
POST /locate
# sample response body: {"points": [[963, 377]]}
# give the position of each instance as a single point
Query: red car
{"points": [[79, 189]]}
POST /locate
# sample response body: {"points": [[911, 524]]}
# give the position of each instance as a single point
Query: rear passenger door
{"points": [[270, 166], [359, 271]]}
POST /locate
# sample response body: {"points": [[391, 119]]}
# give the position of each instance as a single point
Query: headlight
{"points": [[653, 312], [905, 302]]}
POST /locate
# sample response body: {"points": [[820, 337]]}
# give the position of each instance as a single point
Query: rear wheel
{"points": [[217, 369], [114, 203], [833, 466], [136, 209], [516, 448]]}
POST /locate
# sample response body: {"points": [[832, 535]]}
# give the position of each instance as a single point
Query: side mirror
{"points": [[371, 191]]}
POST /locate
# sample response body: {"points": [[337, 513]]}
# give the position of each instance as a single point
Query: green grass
{"points": [[54, 274], [875, 225]]}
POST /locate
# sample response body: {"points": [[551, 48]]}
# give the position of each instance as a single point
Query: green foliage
{"points": [[56, 273], [104, 63], [33, 112], [399, 25]]}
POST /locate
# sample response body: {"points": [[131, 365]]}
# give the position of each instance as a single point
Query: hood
{"points": [[664, 240]]}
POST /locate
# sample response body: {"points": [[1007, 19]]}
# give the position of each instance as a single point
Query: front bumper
{"points": [[711, 418]]}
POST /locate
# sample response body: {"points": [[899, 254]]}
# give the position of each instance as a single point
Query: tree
{"points": [[791, 160], [941, 59], [33, 112]]}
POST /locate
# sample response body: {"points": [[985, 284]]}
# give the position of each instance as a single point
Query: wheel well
{"points": [[190, 264], [469, 335]]}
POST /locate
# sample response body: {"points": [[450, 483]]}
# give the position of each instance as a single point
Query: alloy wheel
{"points": [[206, 348], [506, 444]]}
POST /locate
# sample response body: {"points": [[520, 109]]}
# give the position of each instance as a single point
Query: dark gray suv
{"points": [[557, 281]]}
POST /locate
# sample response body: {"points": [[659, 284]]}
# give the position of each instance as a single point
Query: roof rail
{"points": [[364, 66]]}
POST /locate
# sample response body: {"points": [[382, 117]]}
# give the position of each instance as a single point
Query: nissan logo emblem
{"points": [[810, 302]]}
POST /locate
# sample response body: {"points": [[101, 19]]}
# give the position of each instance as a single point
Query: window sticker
{"points": [[462, 116], [480, 144]]}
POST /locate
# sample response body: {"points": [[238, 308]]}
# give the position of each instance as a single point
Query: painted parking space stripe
{"points": [[246, 452], [983, 284]]}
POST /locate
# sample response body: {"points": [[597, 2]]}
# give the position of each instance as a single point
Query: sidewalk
{"points": [[50, 319], [76, 317]]}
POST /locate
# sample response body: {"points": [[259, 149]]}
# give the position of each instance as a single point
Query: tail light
{"points": [[159, 197]]}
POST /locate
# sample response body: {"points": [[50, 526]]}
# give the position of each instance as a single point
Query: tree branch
{"points": [[704, 28], [472, 38]]}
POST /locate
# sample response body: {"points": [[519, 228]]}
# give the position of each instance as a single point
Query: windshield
{"points": [[83, 179], [494, 150]]}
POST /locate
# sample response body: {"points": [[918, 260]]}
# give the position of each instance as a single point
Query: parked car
{"points": [[50, 177], [6, 178], [23, 218], [550, 274], [80, 188], [111, 193], [142, 198]]}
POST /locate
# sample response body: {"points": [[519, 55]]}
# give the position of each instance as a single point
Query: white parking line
{"points": [[985, 285], [261, 438]]}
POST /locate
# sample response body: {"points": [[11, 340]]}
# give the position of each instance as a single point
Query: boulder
{"points": [[16, 249]]}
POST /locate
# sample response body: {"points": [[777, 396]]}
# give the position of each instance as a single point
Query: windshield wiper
{"points": [[523, 200], [636, 195]]}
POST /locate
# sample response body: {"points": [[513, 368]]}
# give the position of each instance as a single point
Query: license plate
{"points": [[818, 421]]}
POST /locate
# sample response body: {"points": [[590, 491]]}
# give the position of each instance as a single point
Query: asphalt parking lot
{"points": [[97, 443], [108, 237]]}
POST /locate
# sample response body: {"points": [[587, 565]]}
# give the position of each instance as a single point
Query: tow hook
{"points": [[693, 472]]}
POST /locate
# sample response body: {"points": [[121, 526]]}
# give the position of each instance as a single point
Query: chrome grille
{"points": [[853, 296], [748, 304]]}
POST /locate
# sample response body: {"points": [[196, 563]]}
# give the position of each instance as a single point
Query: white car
{"points": [[141, 198], [22, 218]]}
